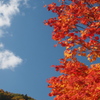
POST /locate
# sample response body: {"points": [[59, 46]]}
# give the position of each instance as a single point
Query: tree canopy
{"points": [[77, 28]]}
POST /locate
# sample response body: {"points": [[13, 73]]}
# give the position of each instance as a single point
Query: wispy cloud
{"points": [[1, 45], [34, 7], [26, 3], [8, 60], [7, 11]]}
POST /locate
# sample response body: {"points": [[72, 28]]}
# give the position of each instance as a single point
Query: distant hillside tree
{"points": [[12, 96]]}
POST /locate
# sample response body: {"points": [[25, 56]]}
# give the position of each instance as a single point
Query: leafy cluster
{"points": [[77, 28], [4, 95]]}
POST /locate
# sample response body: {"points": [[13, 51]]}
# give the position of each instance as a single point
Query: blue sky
{"points": [[26, 48]]}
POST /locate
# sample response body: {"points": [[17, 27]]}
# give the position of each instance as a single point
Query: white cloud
{"points": [[8, 60], [1, 45], [7, 11], [26, 3]]}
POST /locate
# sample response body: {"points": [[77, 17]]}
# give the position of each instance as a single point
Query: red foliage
{"points": [[76, 27]]}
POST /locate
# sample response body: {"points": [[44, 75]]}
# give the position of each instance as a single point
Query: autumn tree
{"points": [[77, 28]]}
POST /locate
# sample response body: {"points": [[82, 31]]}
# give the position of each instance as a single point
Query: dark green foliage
{"points": [[4, 95]]}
